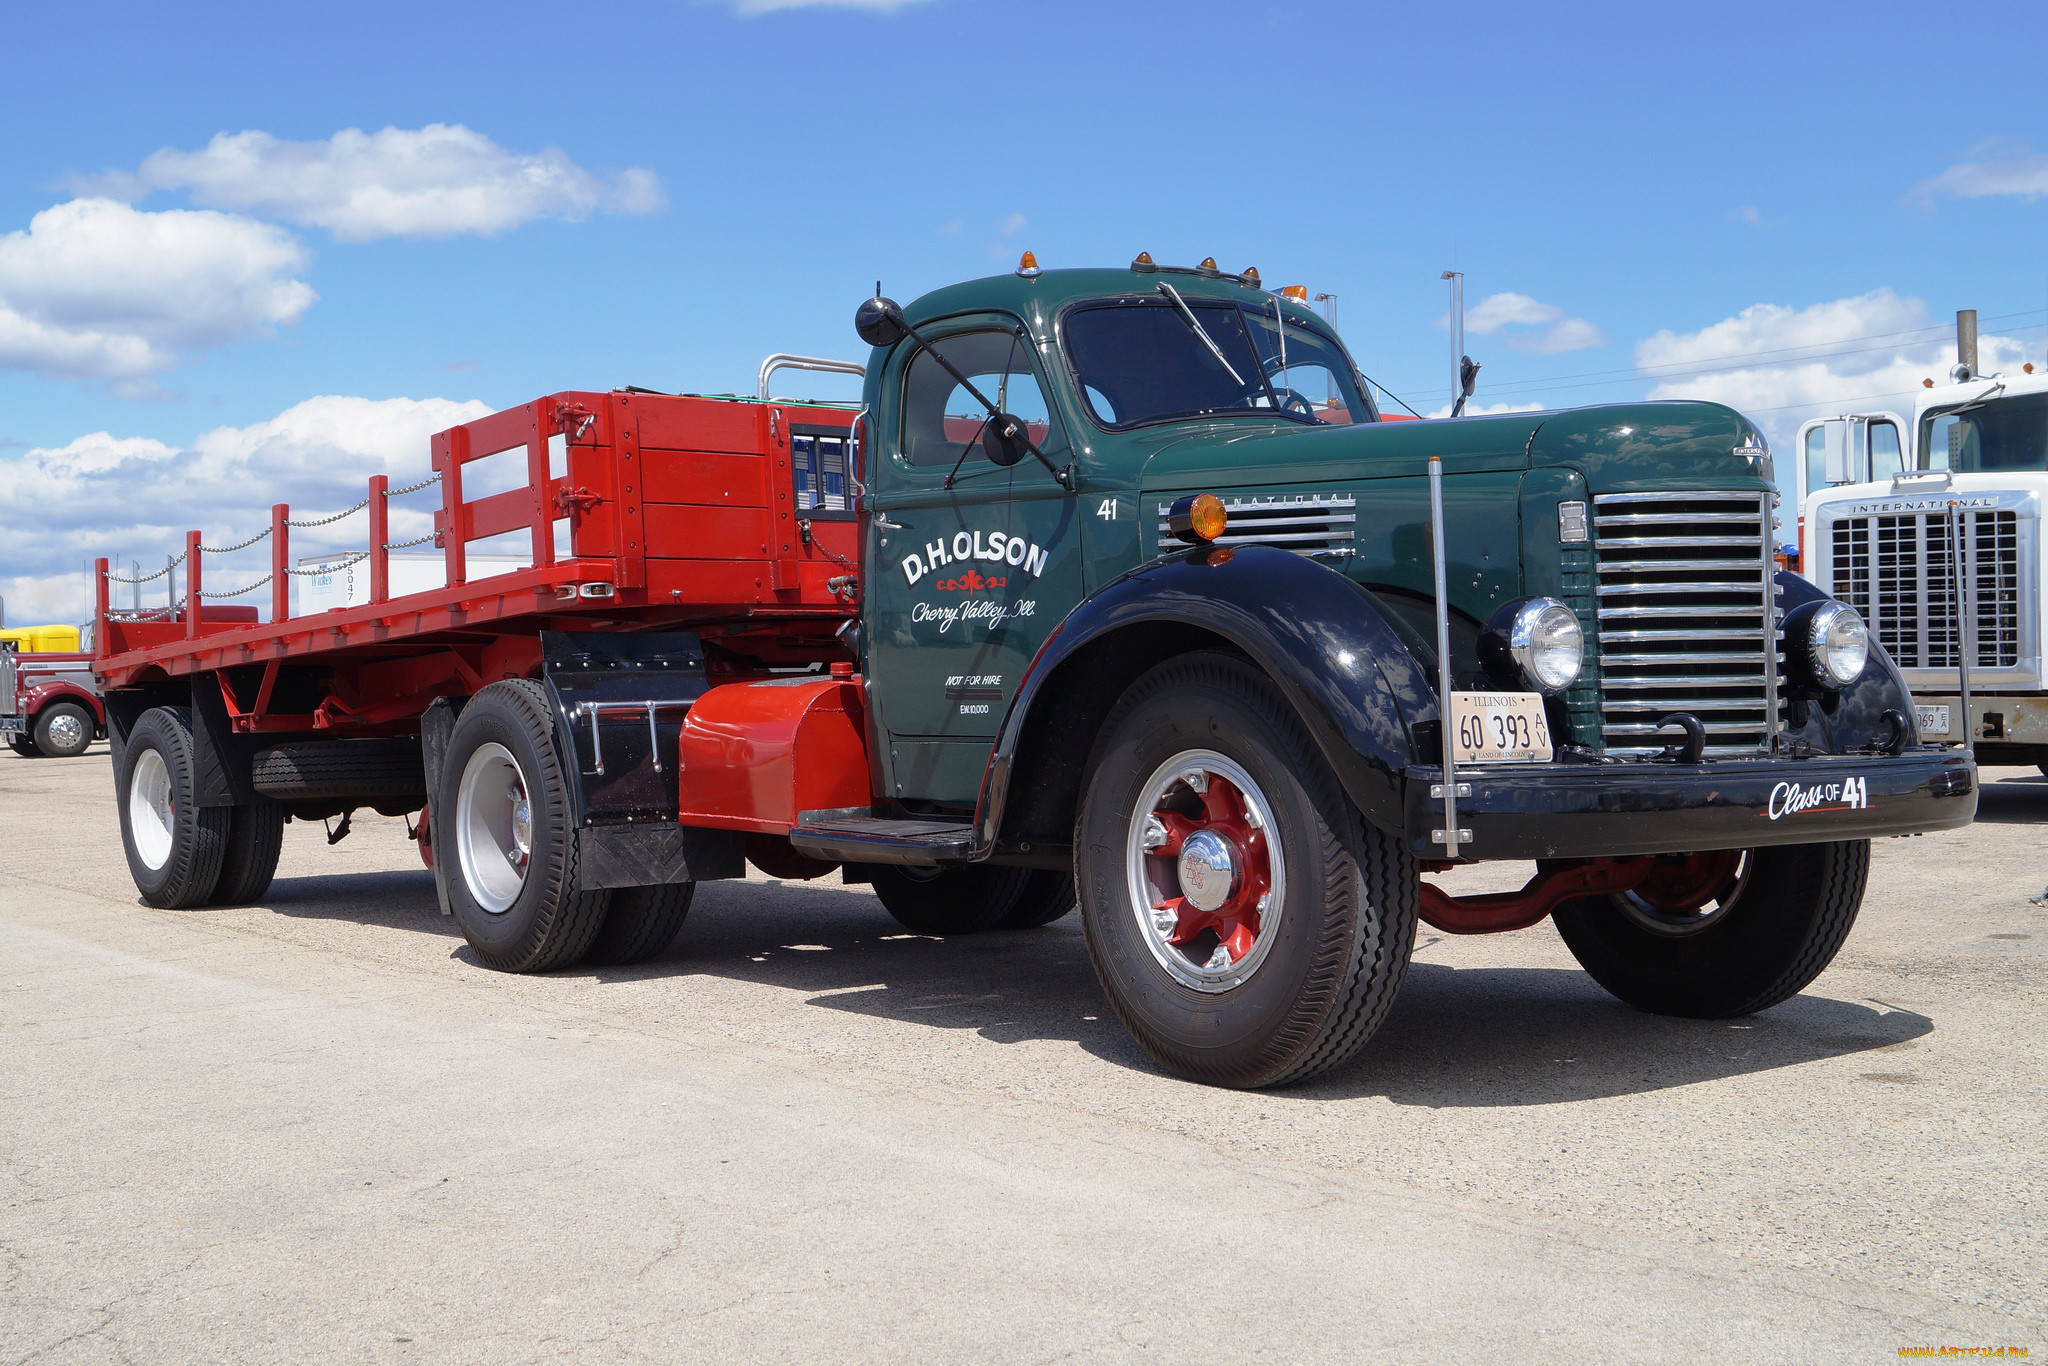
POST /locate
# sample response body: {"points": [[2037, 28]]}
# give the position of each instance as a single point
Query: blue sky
{"points": [[661, 193]]}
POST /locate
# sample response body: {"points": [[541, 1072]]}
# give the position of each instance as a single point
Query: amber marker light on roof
{"points": [[1251, 276], [1927, 384], [1144, 261], [1028, 265], [1197, 517], [1208, 263], [1298, 293]]}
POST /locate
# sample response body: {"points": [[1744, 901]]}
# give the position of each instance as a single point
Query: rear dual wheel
{"points": [[179, 853], [510, 839]]}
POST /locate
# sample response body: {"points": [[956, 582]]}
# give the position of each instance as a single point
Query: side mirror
{"points": [[880, 322], [1835, 451], [1002, 440]]}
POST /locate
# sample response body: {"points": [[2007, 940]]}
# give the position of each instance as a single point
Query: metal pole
{"points": [[1963, 632], [1457, 279], [1329, 303], [1451, 836]]}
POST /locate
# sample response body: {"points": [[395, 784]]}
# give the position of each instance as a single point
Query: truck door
{"points": [[1856, 448], [971, 564]]}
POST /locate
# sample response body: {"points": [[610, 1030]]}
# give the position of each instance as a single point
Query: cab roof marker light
{"points": [[1143, 262], [1298, 293], [1251, 276], [1027, 266]]}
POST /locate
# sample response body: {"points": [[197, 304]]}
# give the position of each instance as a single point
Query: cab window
{"points": [[1815, 459], [1886, 459], [941, 418]]}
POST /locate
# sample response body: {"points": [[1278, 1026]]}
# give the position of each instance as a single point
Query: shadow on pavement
{"points": [[1506, 1036], [401, 900], [2019, 799]]}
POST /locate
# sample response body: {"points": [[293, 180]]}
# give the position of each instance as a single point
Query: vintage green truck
{"points": [[1116, 591]]}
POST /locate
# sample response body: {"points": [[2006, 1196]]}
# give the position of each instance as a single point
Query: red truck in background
{"points": [[49, 705]]}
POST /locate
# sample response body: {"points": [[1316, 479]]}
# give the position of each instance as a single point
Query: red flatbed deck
{"points": [[679, 513]]}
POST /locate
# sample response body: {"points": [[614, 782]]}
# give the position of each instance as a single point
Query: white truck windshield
{"points": [[1996, 434]]}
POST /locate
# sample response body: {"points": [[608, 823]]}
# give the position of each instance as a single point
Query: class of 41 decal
{"points": [[1790, 799]]}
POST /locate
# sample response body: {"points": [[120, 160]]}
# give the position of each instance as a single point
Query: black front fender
{"points": [[1326, 643]]}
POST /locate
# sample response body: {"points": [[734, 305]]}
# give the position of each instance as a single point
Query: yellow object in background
{"points": [[43, 640]]}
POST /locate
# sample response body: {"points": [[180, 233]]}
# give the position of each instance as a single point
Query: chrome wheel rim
{"points": [[493, 827], [66, 730], [1206, 878], [151, 818], [1688, 893]]}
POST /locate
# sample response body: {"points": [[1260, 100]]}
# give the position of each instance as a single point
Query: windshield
{"points": [[1310, 373], [1997, 434], [1141, 360]]}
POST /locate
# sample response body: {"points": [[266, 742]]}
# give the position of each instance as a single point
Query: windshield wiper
{"points": [[1195, 327]]}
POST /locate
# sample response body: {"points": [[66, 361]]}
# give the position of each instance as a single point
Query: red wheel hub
{"points": [[1226, 817], [1678, 884]]}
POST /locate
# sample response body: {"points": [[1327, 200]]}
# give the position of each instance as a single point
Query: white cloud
{"points": [[749, 8], [2019, 173], [437, 181], [1516, 314], [1014, 224], [94, 288], [1483, 409], [132, 498], [1781, 366]]}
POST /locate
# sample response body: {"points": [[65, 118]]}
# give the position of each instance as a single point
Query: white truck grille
{"points": [[1680, 579], [1309, 524], [1897, 572]]}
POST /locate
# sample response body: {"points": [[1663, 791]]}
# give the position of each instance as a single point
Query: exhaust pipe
{"points": [[1966, 344]]}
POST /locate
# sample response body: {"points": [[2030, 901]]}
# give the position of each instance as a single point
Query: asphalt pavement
{"points": [[317, 1130]]}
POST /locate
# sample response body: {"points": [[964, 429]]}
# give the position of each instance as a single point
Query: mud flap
{"points": [[437, 726]]}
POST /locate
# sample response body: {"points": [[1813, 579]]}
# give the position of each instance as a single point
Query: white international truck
{"points": [[1890, 508]]}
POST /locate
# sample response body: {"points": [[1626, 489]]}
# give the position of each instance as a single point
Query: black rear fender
{"points": [[1325, 642]]}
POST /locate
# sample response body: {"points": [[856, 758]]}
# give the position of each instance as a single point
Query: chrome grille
{"points": [[1310, 524], [1680, 581], [1897, 572]]}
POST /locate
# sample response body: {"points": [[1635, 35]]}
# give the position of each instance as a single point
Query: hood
{"points": [[1620, 447]]}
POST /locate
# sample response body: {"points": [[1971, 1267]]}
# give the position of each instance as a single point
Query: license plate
{"points": [[1931, 720], [1498, 727]]}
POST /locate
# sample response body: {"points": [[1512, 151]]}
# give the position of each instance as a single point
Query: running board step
{"points": [[869, 839]]}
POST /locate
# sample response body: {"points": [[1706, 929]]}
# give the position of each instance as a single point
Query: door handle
{"points": [[882, 521]]}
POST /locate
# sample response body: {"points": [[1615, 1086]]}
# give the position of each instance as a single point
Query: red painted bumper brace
{"points": [[1499, 911]]}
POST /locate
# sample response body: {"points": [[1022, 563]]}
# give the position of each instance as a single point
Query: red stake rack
{"points": [[670, 513]]}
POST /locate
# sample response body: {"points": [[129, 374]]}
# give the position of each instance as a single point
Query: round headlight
{"points": [[1839, 644], [1538, 639]]}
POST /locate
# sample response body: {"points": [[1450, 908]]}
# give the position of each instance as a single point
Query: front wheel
{"points": [[1247, 925], [1720, 934], [510, 837], [25, 746], [64, 730]]}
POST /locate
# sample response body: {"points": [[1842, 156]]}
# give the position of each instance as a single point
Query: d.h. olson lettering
{"points": [[994, 547]]}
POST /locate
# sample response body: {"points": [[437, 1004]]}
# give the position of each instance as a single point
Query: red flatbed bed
{"points": [[641, 512]]}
